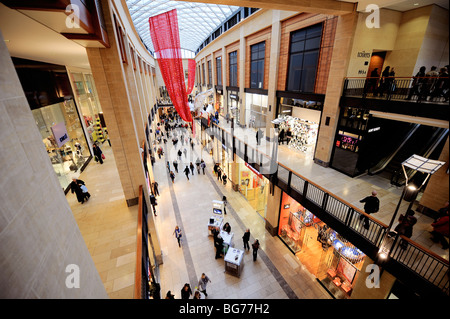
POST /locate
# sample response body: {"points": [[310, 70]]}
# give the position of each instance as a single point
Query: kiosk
{"points": [[234, 261], [214, 221], [217, 206]]}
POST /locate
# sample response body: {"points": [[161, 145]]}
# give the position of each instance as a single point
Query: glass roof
{"points": [[196, 20]]}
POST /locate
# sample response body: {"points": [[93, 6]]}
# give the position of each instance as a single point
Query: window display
{"points": [[303, 133], [68, 158], [327, 255], [253, 186]]}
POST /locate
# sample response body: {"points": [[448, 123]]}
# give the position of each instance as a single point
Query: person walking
{"points": [[224, 178], [154, 203], [186, 171], [255, 247], [224, 200], [169, 295], [246, 239], [371, 206], [186, 292], [203, 166], [168, 166], [155, 188], [75, 187], [191, 166], [281, 137], [219, 174], [185, 152], [98, 153], [202, 283], [172, 176], [179, 154], [405, 226], [417, 84], [175, 165], [178, 235], [197, 163]]}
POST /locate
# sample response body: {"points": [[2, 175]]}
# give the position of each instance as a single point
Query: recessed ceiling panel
{"points": [[196, 20]]}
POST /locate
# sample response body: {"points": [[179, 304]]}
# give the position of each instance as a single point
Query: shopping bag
{"points": [[103, 156], [84, 188]]}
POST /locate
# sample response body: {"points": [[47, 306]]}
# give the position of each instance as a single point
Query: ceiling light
{"points": [[416, 4]]}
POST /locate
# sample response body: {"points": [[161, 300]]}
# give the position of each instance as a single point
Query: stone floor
{"points": [[109, 228]]}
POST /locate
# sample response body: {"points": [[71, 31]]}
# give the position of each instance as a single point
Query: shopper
{"points": [[405, 226], [191, 166], [169, 295], [281, 137], [371, 206], [224, 179], [417, 84], [218, 244], [227, 228], [98, 153], [178, 235], [202, 283], [197, 295], [246, 239], [441, 230], [197, 163], [153, 203], [168, 166], [203, 166], [175, 165], [219, 174], [186, 292], [224, 200], [75, 187], [172, 176], [186, 171], [155, 188], [255, 247]]}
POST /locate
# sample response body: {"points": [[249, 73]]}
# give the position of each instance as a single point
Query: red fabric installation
{"points": [[191, 75], [166, 41]]}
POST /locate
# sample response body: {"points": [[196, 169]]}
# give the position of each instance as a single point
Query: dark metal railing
{"points": [[417, 259], [419, 89]]}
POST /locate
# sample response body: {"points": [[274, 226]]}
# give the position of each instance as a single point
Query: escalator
{"points": [[426, 141]]}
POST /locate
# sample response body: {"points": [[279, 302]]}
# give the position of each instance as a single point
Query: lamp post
{"points": [[409, 194]]}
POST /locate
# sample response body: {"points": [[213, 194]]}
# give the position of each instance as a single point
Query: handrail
{"points": [[377, 232], [138, 272]]}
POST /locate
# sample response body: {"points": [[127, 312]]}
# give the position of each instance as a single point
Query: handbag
{"points": [[103, 156]]}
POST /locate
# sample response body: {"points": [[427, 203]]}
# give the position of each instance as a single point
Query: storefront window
{"points": [[256, 105], [233, 104], [88, 102], [323, 252], [68, 153], [253, 186]]}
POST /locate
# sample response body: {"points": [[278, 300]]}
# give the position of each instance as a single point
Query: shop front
{"points": [[233, 104], [332, 259], [253, 186], [298, 123], [256, 109], [87, 99], [219, 102], [51, 99]]}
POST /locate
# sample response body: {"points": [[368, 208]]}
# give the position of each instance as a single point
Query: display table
{"points": [[227, 240], [214, 221], [234, 261]]}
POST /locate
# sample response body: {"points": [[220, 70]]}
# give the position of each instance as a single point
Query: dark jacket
{"points": [[246, 236], [75, 188], [372, 204], [185, 294], [441, 226], [97, 151]]}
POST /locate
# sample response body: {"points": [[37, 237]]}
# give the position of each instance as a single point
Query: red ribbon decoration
{"points": [[166, 41], [191, 75]]}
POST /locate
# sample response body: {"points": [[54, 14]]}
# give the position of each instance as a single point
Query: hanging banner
{"points": [[191, 75], [166, 41]]}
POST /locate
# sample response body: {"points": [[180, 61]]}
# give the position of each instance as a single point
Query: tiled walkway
{"points": [[188, 204]]}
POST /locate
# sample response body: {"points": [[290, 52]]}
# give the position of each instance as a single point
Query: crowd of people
{"points": [[425, 85]]}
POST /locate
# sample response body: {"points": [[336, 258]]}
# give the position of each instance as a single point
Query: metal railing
{"points": [[419, 89], [419, 260]]}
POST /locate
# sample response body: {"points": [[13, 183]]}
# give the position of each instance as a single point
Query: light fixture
{"points": [[409, 194], [416, 4]]}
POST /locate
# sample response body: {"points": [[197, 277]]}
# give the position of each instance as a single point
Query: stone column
{"points": [[42, 251], [343, 42], [273, 72], [241, 64], [273, 210]]}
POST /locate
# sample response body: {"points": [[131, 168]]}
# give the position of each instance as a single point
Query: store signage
{"points": [[287, 206], [60, 134], [363, 54], [234, 97], [374, 129], [253, 170]]}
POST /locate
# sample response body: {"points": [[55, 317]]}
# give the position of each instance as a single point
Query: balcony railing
{"points": [[418, 89], [425, 265]]}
